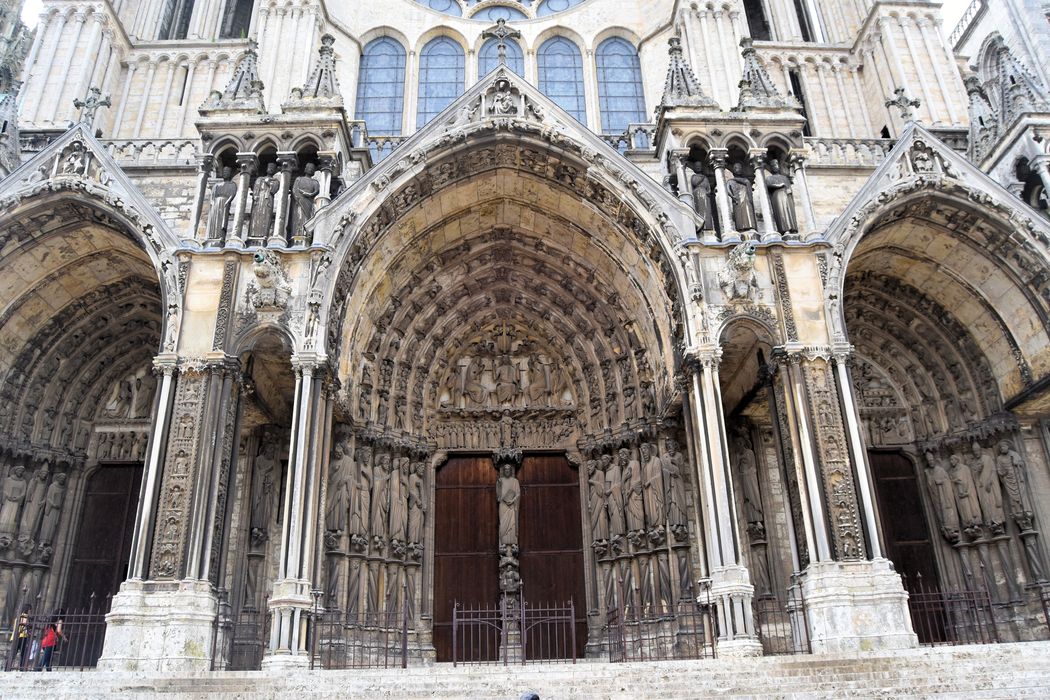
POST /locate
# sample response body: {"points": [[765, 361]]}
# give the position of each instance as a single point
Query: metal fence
{"points": [[247, 636], [783, 627], [950, 617], [366, 640], [661, 633], [79, 645], [515, 632]]}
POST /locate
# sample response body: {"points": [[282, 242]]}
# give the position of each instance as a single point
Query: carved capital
{"points": [[507, 455], [287, 161], [248, 163], [718, 157]]}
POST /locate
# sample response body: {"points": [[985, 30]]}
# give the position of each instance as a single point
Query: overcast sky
{"points": [[953, 9]]}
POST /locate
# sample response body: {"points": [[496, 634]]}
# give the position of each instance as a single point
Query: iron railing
{"points": [[950, 617], [515, 632], [79, 646], [684, 631], [248, 635], [783, 628], [360, 640]]}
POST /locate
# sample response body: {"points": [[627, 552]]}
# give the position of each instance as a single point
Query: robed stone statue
{"points": [[739, 189], [263, 192], [508, 495], [304, 191], [781, 199], [222, 196]]}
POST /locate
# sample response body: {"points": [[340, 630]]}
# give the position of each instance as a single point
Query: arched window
{"points": [[561, 75], [757, 23], [494, 14], [237, 19], [620, 95], [381, 86], [549, 7], [175, 19], [488, 57], [449, 7], [440, 77]]}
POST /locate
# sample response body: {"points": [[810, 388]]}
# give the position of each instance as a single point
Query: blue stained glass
{"points": [[561, 75], [551, 6], [449, 7], [381, 86], [493, 14], [441, 77], [620, 95], [488, 57]]}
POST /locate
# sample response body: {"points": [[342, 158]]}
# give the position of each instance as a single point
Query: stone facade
{"points": [[791, 306]]}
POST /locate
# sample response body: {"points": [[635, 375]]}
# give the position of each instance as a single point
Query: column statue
{"points": [[632, 484], [989, 493], [264, 486], [304, 190], [740, 194], [263, 192], [359, 517], [338, 500], [965, 495], [1011, 467], [399, 500], [508, 494], [56, 495], [653, 484], [703, 197], [14, 496], [381, 496], [222, 196], [614, 495], [417, 503], [35, 492], [596, 502], [781, 199], [940, 487]]}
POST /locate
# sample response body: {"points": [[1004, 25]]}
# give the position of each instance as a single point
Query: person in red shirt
{"points": [[52, 634]]}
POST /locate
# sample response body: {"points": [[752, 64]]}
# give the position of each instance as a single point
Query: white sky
{"points": [[952, 10]]}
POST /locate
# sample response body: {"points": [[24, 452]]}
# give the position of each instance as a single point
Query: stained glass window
{"points": [[620, 95], [488, 57], [440, 77], [561, 75]]}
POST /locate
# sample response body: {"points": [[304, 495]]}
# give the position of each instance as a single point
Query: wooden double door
{"points": [[550, 536]]}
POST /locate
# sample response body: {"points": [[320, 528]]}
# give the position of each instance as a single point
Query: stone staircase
{"points": [[1005, 671]]}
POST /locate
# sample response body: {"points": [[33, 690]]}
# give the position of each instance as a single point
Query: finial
{"points": [[90, 105], [904, 103], [501, 32]]}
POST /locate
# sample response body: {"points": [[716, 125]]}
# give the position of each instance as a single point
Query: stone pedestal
{"points": [[290, 603], [732, 593], [161, 627], [856, 606]]}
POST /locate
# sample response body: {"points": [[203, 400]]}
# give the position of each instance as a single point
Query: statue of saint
{"points": [[539, 381], [398, 485], [747, 468], [653, 483], [632, 484], [359, 517], [56, 494], [965, 493], [473, 387], [702, 195], [988, 489], [940, 485], [35, 492], [304, 190], [14, 496], [596, 502], [417, 503], [508, 495], [338, 500], [1010, 467], [120, 398], [263, 192], [781, 199], [614, 495], [144, 386], [381, 496], [222, 196], [264, 485], [673, 464], [739, 190], [506, 380]]}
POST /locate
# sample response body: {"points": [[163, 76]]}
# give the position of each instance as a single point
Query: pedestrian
{"points": [[20, 636], [52, 633]]}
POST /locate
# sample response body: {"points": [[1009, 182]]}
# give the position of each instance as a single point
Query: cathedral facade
{"points": [[377, 312]]}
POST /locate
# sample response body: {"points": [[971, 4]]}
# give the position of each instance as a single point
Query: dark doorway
{"points": [[904, 527], [552, 545], [465, 541], [103, 541]]}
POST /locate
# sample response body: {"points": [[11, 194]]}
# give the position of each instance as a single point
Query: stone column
{"points": [[292, 597], [730, 588], [327, 161], [205, 166], [1041, 164], [797, 161], [248, 164], [853, 602], [768, 231], [287, 163], [718, 162], [162, 620]]}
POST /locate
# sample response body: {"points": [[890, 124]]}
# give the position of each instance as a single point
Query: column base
{"points": [[856, 606], [732, 593], [290, 603], [161, 627], [738, 648]]}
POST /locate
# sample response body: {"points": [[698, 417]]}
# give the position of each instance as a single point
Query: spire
{"points": [[757, 90], [984, 124], [681, 87], [244, 91], [1019, 91], [323, 83]]}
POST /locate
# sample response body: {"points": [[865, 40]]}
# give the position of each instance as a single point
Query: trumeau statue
{"points": [[264, 486], [304, 190], [14, 496], [781, 199], [747, 468], [508, 495], [739, 189], [222, 196], [263, 192]]}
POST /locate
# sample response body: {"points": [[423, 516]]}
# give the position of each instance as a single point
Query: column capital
{"points": [[718, 157], [248, 162], [310, 363], [287, 160], [699, 358]]}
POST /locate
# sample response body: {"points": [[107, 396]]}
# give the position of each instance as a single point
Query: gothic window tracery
{"points": [[620, 94], [561, 75], [381, 86], [441, 76], [488, 57]]}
